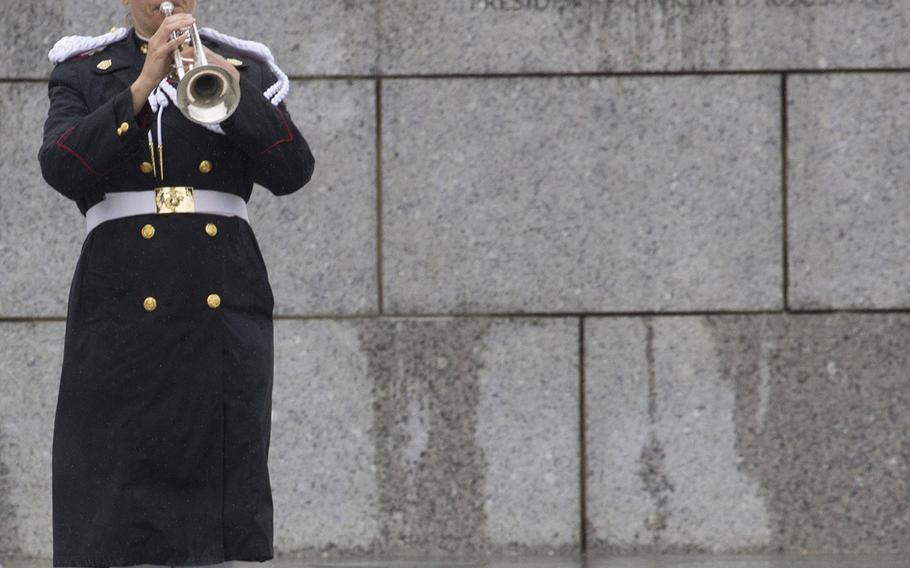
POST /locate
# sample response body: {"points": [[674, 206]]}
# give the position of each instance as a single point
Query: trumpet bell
{"points": [[207, 94]]}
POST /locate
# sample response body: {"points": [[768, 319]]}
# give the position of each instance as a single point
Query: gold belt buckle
{"points": [[174, 199]]}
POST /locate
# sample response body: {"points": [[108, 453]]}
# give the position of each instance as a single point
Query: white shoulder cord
{"points": [[69, 46], [276, 92]]}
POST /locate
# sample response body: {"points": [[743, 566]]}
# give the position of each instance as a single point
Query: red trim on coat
{"points": [[289, 137], [63, 146]]}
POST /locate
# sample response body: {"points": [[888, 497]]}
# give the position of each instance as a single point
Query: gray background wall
{"points": [[571, 275]]}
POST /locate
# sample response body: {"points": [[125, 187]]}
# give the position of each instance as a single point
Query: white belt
{"points": [[164, 200]]}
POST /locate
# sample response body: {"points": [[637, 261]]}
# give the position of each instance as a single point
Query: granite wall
{"points": [[602, 275]]}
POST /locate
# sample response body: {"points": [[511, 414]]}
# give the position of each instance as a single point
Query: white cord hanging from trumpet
{"points": [[159, 99]]}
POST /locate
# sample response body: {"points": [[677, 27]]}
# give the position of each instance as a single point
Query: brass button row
{"points": [[205, 166], [150, 303], [148, 230]]}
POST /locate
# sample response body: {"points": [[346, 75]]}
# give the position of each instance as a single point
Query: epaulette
{"points": [[76, 46]]}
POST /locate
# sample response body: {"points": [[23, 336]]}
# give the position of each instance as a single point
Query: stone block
{"points": [[41, 231], [771, 433], [847, 192], [436, 435], [32, 355], [577, 194], [558, 36], [318, 37], [319, 243]]}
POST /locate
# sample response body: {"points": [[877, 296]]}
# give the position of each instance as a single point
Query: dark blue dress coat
{"points": [[162, 425]]}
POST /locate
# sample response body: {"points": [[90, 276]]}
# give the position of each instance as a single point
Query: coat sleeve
{"points": [[81, 145], [279, 155]]}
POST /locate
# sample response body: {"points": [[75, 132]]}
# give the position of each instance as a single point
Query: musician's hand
{"points": [[214, 59], [159, 61]]}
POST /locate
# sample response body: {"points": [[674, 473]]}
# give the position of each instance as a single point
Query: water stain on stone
{"points": [[822, 425], [652, 371], [8, 529], [658, 486], [653, 458], [429, 466]]}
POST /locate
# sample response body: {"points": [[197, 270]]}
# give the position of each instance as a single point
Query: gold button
{"points": [[211, 229], [124, 126], [148, 231], [214, 300], [144, 48], [150, 303], [205, 166], [146, 167]]}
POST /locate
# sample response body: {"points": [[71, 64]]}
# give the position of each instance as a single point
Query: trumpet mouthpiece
{"points": [[166, 7]]}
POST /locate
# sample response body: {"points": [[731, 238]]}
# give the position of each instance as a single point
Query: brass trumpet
{"points": [[206, 94]]}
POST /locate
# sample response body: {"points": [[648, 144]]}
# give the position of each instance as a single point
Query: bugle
{"points": [[206, 94]]}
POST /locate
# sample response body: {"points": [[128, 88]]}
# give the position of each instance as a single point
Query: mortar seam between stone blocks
{"points": [[582, 432], [785, 245], [527, 315], [544, 74], [377, 98]]}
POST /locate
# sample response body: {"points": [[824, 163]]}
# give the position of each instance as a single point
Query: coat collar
{"points": [[141, 44]]}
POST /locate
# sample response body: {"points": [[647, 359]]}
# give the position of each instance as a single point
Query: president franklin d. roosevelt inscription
{"points": [[563, 5], [572, 36]]}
